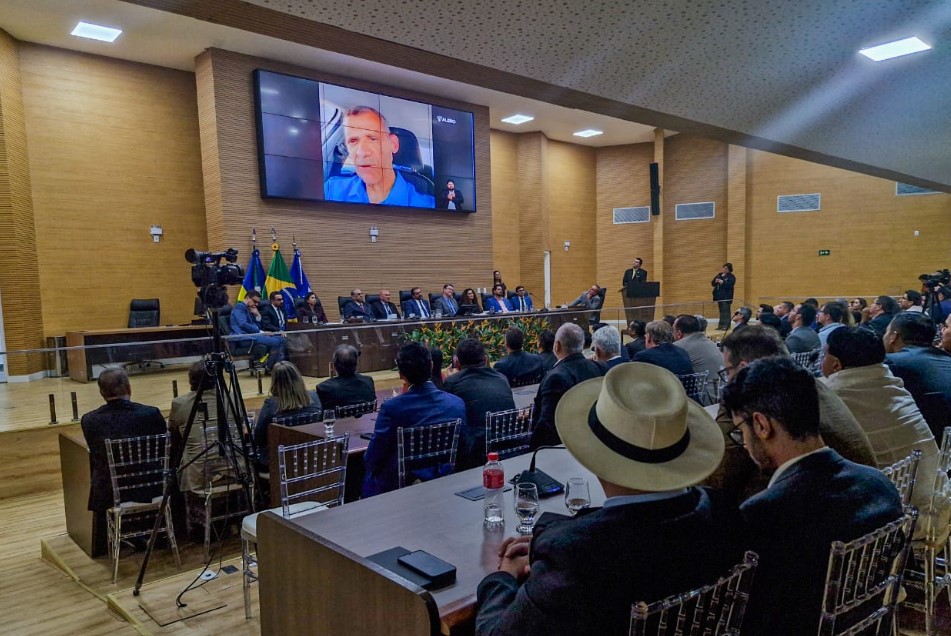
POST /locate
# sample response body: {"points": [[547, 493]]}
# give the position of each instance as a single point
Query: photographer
{"points": [[942, 306]]}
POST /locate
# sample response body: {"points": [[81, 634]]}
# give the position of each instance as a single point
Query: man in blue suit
{"points": [[422, 404], [417, 305], [497, 302], [522, 301], [814, 496], [357, 310], [243, 321], [659, 349]]}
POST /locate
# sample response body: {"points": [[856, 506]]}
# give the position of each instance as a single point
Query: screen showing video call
{"points": [[323, 142]]}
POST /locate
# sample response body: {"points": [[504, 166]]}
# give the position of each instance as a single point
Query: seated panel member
{"points": [[312, 310], [273, 318], [469, 303], [447, 302], [497, 302], [522, 301], [356, 310], [518, 366], [383, 309], [243, 322], [591, 298], [417, 305], [370, 149], [349, 387]]}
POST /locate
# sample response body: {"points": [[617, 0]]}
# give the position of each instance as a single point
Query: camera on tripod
{"points": [[211, 276], [935, 280]]}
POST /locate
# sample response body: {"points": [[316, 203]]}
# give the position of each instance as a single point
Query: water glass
{"points": [[251, 416], [577, 495], [526, 507], [330, 418]]}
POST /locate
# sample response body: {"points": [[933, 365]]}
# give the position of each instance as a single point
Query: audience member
{"points": [[446, 304], [273, 318], [636, 331], [802, 337], [384, 309], [312, 310], [769, 319], [703, 352], [606, 344], [348, 387], [356, 310], [118, 418], [244, 322], [782, 310], [763, 309], [522, 300], [669, 319], [436, 377], [659, 349], [518, 366], [910, 302], [288, 397], [855, 370], [417, 306], [830, 317], [814, 497], [881, 313], [657, 533], [945, 341], [741, 318], [421, 404], [483, 389], [469, 304], [738, 475], [546, 342], [859, 309], [942, 309], [572, 367], [497, 302]]}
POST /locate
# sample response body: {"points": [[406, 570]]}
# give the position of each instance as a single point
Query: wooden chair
{"points": [[426, 452], [695, 384], [312, 479], [712, 609], [903, 474], [356, 410], [864, 579], [508, 432], [137, 467]]}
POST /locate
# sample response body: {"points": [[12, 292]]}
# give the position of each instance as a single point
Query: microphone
{"points": [[546, 484]]}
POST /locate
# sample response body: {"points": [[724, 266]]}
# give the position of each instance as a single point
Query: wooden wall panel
{"points": [[505, 208], [19, 262], [533, 235], [870, 231], [414, 247], [623, 181], [113, 150]]}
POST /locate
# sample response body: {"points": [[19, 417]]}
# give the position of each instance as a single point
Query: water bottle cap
{"points": [[493, 457]]}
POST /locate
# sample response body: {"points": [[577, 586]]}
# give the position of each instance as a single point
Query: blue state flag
{"points": [[298, 277], [254, 276]]}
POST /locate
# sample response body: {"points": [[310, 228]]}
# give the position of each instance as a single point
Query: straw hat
{"points": [[636, 427]]}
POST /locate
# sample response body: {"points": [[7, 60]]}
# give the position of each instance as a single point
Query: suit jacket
{"points": [[270, 321], [116, 419], [421, 404], [517, 302], [672, 358], [635, 346], [344, 391], [926, 370], [631, 276], [269, 410], [494, 304], [379, 312], [820, 499], [484, 390], [724, 290], [306, 314], [443, 200], [242, 321], [564, 375], [704, 356], [548, 360], [879, 324], [448, 309], [588, 571], [354, 310], [784, 327], [613, 362], [410, 308], [520, 366], [802, 339]]}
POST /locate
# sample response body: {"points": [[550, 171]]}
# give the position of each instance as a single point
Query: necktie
{"points": [[280, 318], [389, 312], [452, 307], [521, 303], [422, 309]]}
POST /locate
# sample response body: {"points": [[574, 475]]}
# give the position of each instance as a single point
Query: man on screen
{"points": [[370, 148], [450, 198]]}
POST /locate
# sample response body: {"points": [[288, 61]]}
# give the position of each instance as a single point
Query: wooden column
{"points": [[737, 212], [657, 268]]}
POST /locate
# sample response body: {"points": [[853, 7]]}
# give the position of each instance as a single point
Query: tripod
{"points": [[228, 401]]}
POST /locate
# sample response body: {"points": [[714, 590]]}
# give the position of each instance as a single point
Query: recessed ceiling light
{"points": [[590, 132], [895, 49], [96, 32], [517, 119]]}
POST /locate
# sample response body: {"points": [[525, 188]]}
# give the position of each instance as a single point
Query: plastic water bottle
{"points": [[493, 482]]}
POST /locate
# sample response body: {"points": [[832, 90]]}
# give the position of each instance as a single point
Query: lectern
{"points": [[639, 300]]}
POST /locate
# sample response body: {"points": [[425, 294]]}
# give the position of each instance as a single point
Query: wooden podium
{"points": [[639, 300]]}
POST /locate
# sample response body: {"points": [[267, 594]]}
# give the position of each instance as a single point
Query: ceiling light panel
{"points": [[590, 132], [96, 32], [517, 119], [895, 49]]}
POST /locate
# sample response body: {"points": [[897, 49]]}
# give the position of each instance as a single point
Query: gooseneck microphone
{"points": [[546, 484]]}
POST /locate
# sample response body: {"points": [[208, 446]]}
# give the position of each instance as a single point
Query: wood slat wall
{"points": [[532, 198], [414, 248], [506, 250]]}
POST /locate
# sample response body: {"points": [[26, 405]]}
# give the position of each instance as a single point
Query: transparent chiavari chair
{"points": [[903, 474], [508, 432], [695, 384], [426, 452], [356, 410]]}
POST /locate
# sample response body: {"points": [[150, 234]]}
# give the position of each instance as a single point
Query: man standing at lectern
{"points": [[634, 274]]}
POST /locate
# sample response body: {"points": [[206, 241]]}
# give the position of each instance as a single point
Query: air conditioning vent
{"points": [[632, 215], [799, 203], [692, 211], [906, 189]]}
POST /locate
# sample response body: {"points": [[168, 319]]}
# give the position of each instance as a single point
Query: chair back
{"points": [[596, 316], [137, 466], [313, 471], [405, 294], [144, 312], [341, 303], [695, 384], [935, 519], [426, 452], [903, 474], [864, 576], [299, 419], [807, 359], [717, 608], [356, 410], [372, 298], [508, 432]]}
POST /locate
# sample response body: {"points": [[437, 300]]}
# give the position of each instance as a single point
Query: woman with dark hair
{"points": [[311, 310], [723, 284], [289, 396], [497, 280], [469, 303], [437, 378]]}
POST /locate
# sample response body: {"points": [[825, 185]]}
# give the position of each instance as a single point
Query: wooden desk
{"points": [[127, 346], [296, 556], [85, 527]]}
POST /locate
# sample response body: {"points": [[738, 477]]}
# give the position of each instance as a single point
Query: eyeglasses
{"points": [[724, 373], [736, 433]]}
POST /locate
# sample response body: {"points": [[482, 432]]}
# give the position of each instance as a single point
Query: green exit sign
{"points": [[825, 252]]}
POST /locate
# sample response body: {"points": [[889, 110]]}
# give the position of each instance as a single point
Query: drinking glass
{"points": [[577, 495], [251, 415], [330, 418], [526, 507]]}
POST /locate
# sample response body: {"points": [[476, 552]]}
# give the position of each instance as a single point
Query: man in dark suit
{"points": [[421, 404], [349, 387], [244, 321], [383, 309], [635, 274], [882, 311], [660, 350], [356, 310], [483, 389], [272, 316], [656, 535], [572, 367], [497, 302], [546, 344], [446, 304], [119, 417], [782, 310], [518, 366], [606, 345], [814, 496], [521, 301], [925, 370], [636, 331], [417, 305], [802, 337]]}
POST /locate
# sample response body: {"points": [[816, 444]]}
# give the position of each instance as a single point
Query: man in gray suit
{"points": [[446, 304], [704, 353], [802, 337]]}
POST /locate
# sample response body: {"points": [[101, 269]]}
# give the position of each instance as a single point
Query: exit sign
{"points": [[825, 252]]}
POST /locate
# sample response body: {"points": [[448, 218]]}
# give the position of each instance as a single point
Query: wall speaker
{"points": [[655, 189]]}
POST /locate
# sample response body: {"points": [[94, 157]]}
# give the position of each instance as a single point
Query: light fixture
{"points": [[897, 48], [517, 119], [590, 132], [96, 32]]}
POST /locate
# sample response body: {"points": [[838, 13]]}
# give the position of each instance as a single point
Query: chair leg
{"points": [[116, 543], [246, 575], [170, 532], [208, 504]]}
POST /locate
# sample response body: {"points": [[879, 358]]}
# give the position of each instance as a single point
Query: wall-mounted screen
{"points": [[323, 142]]}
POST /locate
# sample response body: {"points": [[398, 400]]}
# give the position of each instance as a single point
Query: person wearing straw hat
{"points": [[657, 534]]}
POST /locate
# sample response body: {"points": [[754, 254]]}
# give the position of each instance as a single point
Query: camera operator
{"points": [[243, 321]]}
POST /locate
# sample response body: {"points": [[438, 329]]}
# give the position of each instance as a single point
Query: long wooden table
{"points": [[314, 575]]}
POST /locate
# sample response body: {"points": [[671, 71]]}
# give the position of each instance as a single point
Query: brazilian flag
{"points": [[253, 277], [279, 279]]}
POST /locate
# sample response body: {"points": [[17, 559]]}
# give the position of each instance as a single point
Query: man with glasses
{"points": [[881, 311], [244, 320], [357, 310], [830, 317], [910, 302], [814, 495]]}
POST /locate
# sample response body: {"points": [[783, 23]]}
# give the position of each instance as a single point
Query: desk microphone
{"points": [[546, 484]]}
